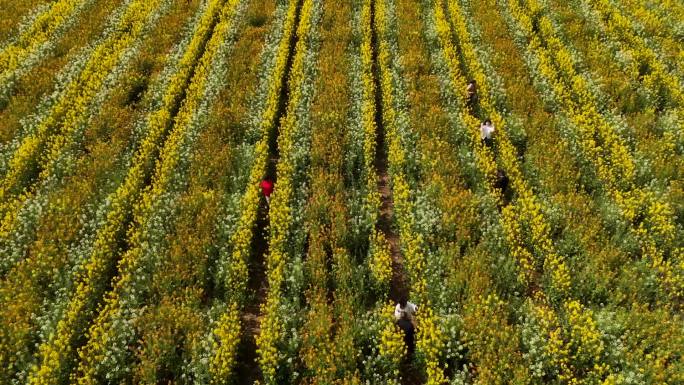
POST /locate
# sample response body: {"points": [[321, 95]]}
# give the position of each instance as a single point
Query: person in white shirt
{"points": [[487, 132], [406, 309]]}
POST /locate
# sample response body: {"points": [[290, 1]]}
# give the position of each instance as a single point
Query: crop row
{"points": [[337, 326], [402, 166], [366, 140], [287, 235], [380, 342], [328, 353], [650, 21], [542, 328], [526, 229], [598, 254], [647, 65], [265, 124]]}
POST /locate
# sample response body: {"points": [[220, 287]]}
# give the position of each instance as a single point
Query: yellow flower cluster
{"points": [[42, 147], [103, 328], [227, 337], [601, 144], [556, 348], [584, 335], [654, 18], [381, 259], [40, 32], [236, 279], [391, 338], [574, 351], [430, 342]]}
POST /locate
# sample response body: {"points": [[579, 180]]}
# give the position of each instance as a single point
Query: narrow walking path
{"points": [[398, 286], [247, 368], [408, 374]]}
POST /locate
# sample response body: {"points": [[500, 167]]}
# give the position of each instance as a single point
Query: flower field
{"points": [[138, 244]]}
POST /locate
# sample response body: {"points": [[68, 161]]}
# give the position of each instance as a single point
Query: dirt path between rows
{"points": [[399, 285], [247, 369]]}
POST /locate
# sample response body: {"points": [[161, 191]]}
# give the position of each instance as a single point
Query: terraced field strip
{"points": [[38, 154], [598, 145], [158, 154], [37, 38], [55, 229]]}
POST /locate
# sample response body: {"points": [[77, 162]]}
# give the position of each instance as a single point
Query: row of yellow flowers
{"points": [[44, 29], [105, 328], [90, 281], [599, 141], [430, 339], [227, 331], [603, 147], [524, 220], [380, 262], [329, 324], [41, 149], [281, 213]]}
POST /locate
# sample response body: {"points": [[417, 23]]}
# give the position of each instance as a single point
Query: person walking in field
{"points": [[409, 330], [406, 309], [502, 183], [267, 189], [487, 132], [471, 91]]}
